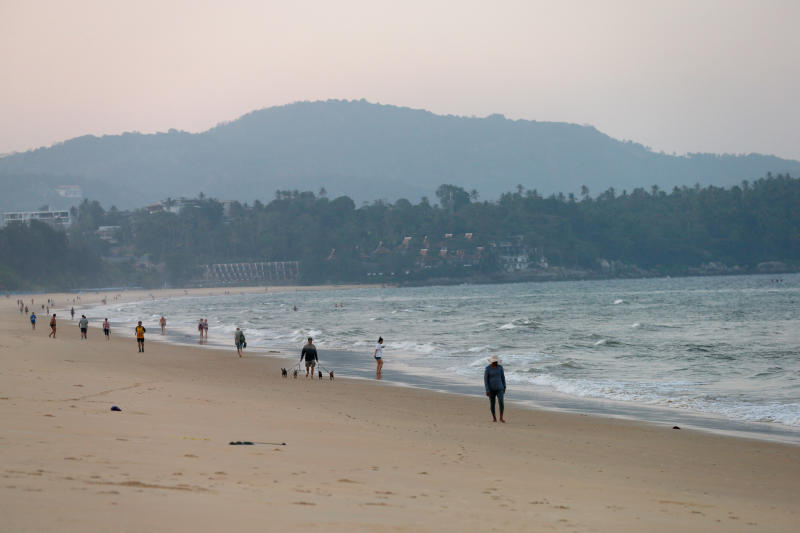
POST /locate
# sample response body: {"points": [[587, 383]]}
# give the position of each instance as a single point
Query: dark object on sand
{"points": [[675, 427], [320, 374], [115, 408], [284, 373], [249, 443], [294, 374], [331, 374]]}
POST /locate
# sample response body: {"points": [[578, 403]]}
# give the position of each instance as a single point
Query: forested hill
{"points": [[365, 151], [752, 227]]}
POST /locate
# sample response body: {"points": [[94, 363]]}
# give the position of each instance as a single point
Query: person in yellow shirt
{"points": [[140, 336]]}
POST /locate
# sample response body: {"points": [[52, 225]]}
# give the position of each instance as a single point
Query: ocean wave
{"points": [[677, 395]]}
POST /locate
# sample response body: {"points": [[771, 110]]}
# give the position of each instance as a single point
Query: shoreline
{"points": [[350, 363], [359, 455]]}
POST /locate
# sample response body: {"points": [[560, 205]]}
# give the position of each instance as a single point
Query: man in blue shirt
{"points": [[494, 380]]}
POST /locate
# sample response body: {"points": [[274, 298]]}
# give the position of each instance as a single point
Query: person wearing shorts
{"points": [[53, 326], [378, 355], [239, 341], [309, 353], [33, 321], [140, 331], [84, 324], [107, 329]]}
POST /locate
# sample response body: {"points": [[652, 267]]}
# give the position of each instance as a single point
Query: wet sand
{"points": [[359, 455]]}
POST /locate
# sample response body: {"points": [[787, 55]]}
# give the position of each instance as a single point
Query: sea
{"points": [[719, 354]]}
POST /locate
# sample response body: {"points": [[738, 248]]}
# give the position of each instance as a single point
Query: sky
{"points": [[677, 76]]}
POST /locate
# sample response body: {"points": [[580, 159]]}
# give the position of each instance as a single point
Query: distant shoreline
{"points": [[534, 277]]}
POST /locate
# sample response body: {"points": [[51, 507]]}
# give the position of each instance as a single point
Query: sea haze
{"points": [[718, 353]]}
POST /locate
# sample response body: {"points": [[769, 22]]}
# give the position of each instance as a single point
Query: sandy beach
{"points": [[358, 455]]}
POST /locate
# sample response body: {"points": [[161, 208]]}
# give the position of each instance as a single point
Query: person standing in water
{"points": [[205, 328], [163, 323], [107, 329], [494, 381], [378, 355], [140, 331], [239, 341], [72, 313], [309, 353]]}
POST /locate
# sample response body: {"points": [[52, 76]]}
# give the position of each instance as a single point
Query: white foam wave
{"points": [[676, 395]]}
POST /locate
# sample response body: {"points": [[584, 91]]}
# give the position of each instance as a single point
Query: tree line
{"points": [[656, 232]]}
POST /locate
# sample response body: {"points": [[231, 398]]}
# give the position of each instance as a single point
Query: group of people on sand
{"points": [[493, 378]]}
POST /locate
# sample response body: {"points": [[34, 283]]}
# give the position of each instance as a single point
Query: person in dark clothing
{"points": [[494, 380], [309, 353]]}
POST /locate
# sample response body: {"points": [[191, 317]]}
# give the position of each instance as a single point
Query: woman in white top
{"points": [[378, 355]]}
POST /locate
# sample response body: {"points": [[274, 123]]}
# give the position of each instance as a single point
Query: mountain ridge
{"points": [[368, 151]]}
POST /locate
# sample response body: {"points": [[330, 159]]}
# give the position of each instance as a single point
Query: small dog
{"points": [[294, 374], [284, 373], [320, 374], [331, 374]]}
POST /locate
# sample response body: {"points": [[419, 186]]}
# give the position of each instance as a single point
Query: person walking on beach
{"points": [[53, 326], [33, 321], [83, 323], [163, 323], [378, 355], [239, 341], [107, 329], [494, 380], [72, 313], [140, 331], [309, 353]]}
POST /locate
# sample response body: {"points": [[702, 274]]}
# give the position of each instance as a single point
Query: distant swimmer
{"points": [[33, 321], [494, 381], [163, 323], [239, 341], [53, 326], [140, 331], [309, 353], [83, 323], [107, 329], [378, 355]]}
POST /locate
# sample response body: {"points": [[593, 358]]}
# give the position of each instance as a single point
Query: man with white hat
{"points": [[494, 380]]}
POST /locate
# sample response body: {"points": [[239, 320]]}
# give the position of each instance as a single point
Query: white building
{"points": [[69, 191], [56, 218]]}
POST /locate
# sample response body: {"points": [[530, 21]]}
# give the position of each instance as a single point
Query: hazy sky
{"points": [[683, 76]]}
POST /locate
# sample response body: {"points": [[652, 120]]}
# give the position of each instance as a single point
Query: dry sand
{"points": [[359, 456]]}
